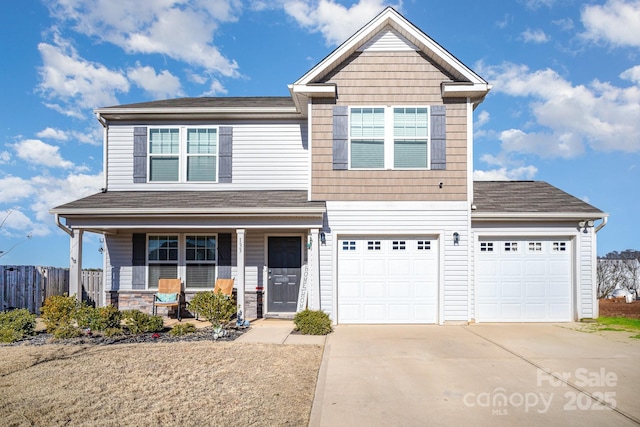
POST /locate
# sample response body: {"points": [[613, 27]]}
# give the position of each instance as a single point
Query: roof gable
{"points": [[466, 84]]}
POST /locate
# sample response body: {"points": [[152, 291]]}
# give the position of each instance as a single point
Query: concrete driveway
{"points": [[481, 375]]}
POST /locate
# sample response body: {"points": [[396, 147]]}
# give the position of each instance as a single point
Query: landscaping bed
{"points": [[617, 307]]}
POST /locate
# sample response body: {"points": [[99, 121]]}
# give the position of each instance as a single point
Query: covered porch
{"points": [[267, 241]]}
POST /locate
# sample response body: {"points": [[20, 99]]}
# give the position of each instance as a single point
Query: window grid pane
{"points": [[164, 141], [202, 141], [201, 248], [163, 248]]}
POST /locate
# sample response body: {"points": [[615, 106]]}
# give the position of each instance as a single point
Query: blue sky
{"points": [[564, 108]]}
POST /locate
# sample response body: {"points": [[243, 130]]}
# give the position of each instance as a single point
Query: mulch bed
{"points": [[617, 307], [95, 338]]}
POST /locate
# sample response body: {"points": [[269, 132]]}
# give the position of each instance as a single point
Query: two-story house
{"points": [[355, 191]]}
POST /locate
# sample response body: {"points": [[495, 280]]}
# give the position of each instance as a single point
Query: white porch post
{"points": [[75, 264], [240, 248], [314, 270]]}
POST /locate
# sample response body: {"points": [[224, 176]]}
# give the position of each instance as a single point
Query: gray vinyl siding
{"points": [[266, 156], [411, 218], [118, 269]]}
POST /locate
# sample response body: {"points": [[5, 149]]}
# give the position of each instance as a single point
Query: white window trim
{"points": [[389, 140], [183, 155], [182, 258]]}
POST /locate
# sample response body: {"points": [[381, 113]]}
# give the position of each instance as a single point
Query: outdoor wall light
{"points": [[310, 243], [456, 238], [323, 238]]}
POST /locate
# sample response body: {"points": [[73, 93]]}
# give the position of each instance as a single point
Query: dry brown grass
{"points": [[186, 383]]}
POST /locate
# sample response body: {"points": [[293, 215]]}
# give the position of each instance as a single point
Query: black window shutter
{"points": [[225, 153], [340, 137], [139, 261], [438, 137], [224, 256], [139, 154]]}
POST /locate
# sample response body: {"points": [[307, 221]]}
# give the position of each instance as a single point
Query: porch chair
{"points": [[169, 295], [225, 286]]}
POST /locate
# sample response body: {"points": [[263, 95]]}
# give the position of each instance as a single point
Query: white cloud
{"points": [[52, 133], [565, 24], [534, 36], [483, 119], [182, 30], [5, 156], [505, 174], [215, 88], [160, 86], [14, 189], [58, 191], [535, 4], [75, 83], [616, 22], [37, 152], [568, 117], [334, 21], [632, 74]]}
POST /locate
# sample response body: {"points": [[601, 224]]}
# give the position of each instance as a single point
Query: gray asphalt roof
{"points": [[185, 200], [489, 197], [526, 196], [213, 102]]}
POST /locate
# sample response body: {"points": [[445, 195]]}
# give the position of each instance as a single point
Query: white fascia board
{"points": [[315, 90], [518, 216], [461, 90], [190, 110]]}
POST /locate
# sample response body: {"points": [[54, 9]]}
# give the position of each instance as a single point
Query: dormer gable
{"points": [[390, 31]]}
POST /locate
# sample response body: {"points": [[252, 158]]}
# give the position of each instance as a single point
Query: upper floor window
{"points": [[183, 154], [389, 137]]}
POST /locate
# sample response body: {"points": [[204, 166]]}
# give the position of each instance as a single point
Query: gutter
{"points": [[602, 224], [62, 226]]}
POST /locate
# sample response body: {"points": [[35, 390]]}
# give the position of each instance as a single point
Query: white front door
{"points": [[387, 279], [523, 279]]}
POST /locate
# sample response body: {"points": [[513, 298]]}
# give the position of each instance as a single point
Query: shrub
{"points": [[66, 331], [112, 332], [139, 322], [217, 308], [16, 324], [312, 322], [182, 329], [58, 311], [98, 319]]}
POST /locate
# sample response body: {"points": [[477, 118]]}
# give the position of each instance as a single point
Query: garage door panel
{"points": [[511, 290], [373, 290], [536, 311], [397, 280], [374, 267], [511, 268], [351, 289], [536, 267], [374, 313], [540, 290], [535, 289]]}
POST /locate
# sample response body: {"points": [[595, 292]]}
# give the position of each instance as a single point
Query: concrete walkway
{"points": [[481, 375], [277, 331]]}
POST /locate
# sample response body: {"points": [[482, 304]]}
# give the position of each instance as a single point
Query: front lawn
{"points": [[620, 324]]}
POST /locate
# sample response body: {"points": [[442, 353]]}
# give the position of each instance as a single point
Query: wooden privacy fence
{"points": [[27, 286]]}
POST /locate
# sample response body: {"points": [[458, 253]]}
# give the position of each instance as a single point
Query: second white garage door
{"points": [[387, 280], [522, 279]]}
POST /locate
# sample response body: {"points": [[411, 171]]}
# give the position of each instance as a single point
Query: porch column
{"points": [[314, 270], [75, 264], [240, 248]]}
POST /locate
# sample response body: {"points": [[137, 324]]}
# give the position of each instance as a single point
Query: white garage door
{"points": [[387, 280], [523, 280]]}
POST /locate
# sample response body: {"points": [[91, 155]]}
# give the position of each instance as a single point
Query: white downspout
{"points": [[602, 224], [105, 148], [62, 226]]}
